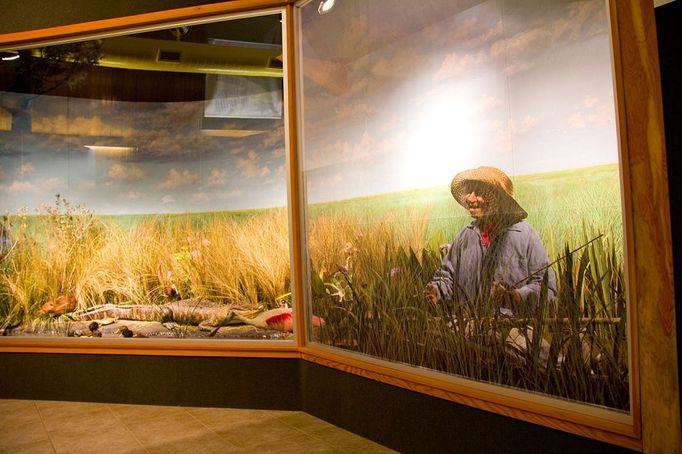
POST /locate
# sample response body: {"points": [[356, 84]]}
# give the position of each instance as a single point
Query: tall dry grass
{"points": [[68, 250]]}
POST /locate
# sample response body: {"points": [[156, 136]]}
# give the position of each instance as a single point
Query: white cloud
{"points": [[176, 179], [50, 184], [403, 61], [519, 51], [516, 67], [238, 150], [591, 112], [40, 186], [127, 172], [360, 150], [274, 137], [20, 186], [487, 104], [133, 195], [87, 184], [26, 169], [200, 197], [216, 177], [526, 124], [590, 101], [250, 166], [454, 65], [167, 199], [234, 194]]}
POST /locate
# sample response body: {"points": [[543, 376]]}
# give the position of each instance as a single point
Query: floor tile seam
{"points": [[210, 429], [92, 413], [42, 423], [227, 434], [363, 440], [314, 437], [303, 431], [125, 425]]}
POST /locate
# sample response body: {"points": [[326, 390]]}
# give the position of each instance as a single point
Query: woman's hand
{"points": [[505, 297]]}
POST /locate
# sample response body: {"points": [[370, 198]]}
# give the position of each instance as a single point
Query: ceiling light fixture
{"points": [[110, 151], [8, 55], [325, 6]]}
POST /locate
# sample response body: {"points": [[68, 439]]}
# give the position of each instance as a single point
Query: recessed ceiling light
{"points": [[8, 55], [325, 6]]}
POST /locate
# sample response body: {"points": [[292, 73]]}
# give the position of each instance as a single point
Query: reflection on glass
{"points": [[463, 190], [144, 186]]}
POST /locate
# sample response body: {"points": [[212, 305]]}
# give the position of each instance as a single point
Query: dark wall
{"points": [[158, 380], [411, 422], [34, 14], [401, 419]]}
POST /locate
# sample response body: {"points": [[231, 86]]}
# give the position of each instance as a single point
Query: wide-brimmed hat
{"points": [[496, 180]]}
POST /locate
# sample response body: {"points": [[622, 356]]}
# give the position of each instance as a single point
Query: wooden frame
{"points": [[655, 422], [139, 23]]}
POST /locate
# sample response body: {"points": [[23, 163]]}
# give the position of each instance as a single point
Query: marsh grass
{"points": [[370, 267], [371, 297]]}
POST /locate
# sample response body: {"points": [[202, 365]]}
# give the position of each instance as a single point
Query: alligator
{"points": [[207, 315]]}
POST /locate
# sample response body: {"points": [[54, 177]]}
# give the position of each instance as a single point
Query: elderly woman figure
{"points": [[499, 257]]}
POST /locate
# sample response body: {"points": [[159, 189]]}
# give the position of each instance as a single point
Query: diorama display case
{"points": [[355, 125]]}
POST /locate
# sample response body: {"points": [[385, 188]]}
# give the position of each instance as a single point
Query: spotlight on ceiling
{"points": [[8, 55], [325, 6]]}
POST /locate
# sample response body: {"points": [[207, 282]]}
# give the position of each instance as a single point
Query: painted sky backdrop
{"points": [[160, 160], [397, 95], [400, 95]]}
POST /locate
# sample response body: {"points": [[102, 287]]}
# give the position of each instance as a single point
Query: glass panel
{"points": [[144, 186], [464, 201]]}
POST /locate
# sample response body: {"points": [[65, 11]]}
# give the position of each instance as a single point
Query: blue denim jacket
{"points": [[512, 257]]}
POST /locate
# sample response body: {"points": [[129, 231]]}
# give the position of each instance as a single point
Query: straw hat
{"points": [[496, 180]]}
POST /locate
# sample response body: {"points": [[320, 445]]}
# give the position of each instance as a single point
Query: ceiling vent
{"points": [[226, 58], [169, 56]]}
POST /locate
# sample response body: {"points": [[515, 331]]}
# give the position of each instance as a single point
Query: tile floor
{"points": [[38, 426]]}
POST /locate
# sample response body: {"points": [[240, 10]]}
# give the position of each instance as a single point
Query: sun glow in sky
{"points": [[442, 141]]}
